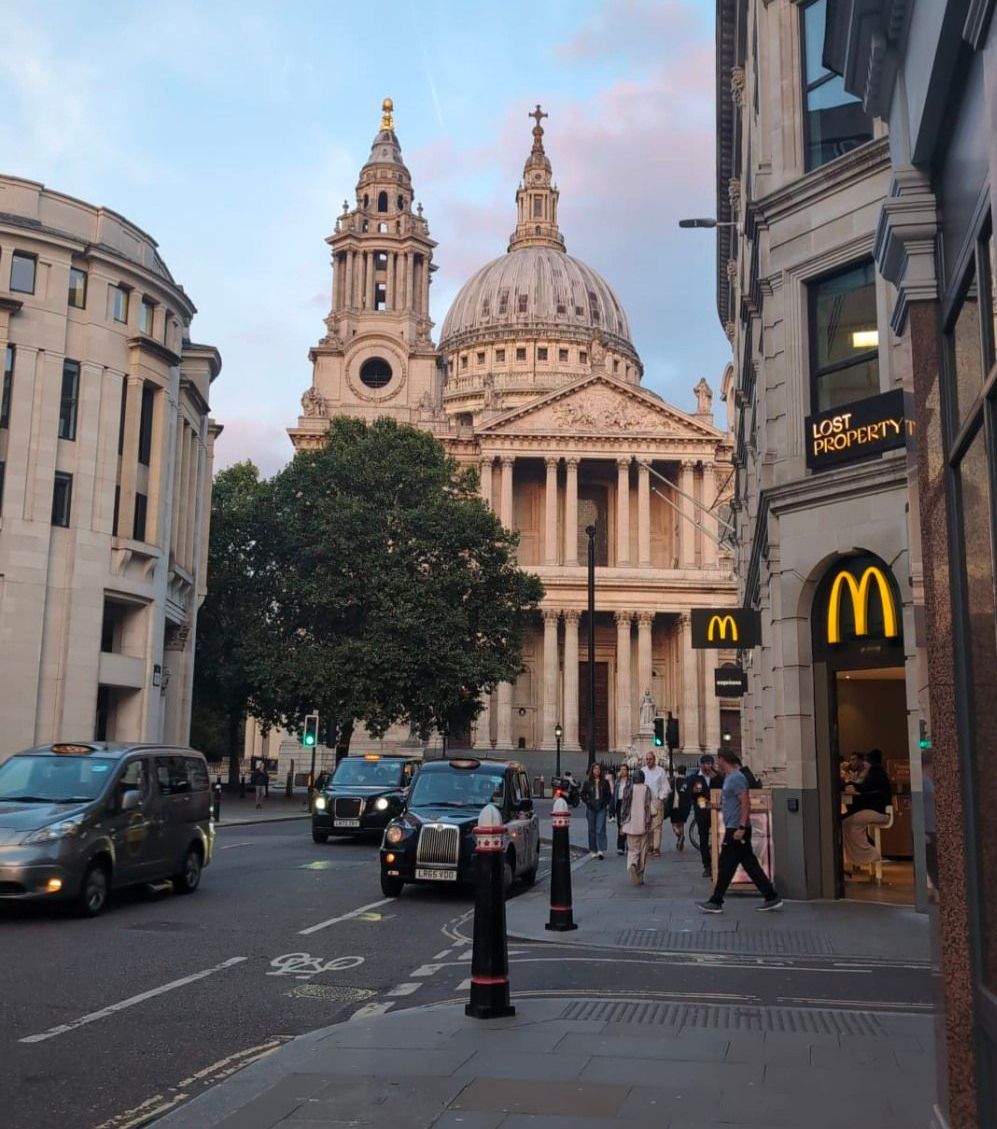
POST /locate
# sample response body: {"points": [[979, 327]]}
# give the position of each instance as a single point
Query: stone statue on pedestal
{"points": [[647, 712]]}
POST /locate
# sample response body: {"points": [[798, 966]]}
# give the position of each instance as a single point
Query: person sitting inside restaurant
{"points": [[870, 798]]}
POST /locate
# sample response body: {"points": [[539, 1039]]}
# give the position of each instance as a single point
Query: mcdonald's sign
{"points": [[725, 628], [860, 593]]}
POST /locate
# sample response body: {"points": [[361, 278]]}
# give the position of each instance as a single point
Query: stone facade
{"points": [[105, 477], [536, 384]]}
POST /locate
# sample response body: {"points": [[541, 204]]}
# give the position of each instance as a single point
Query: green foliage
{"points": [[387, 590]]}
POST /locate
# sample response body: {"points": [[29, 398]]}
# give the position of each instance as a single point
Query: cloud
{"points": [[635, 31], [263, 442]]}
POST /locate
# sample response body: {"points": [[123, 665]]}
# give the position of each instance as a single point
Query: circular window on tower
{"points": [[375, 372]]}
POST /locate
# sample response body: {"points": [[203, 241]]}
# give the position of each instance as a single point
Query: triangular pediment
{"points": [[599, 405]]}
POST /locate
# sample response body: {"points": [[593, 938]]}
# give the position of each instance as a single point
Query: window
{"points": [[120, 309], [69, 401], [382, 201], [77, 288], [145, 425], [538, 207], [22, 272], [562, 356], [594, 313], [463, 362], [562, 308], [583, 356], [375, 372], [503, 301], [835, 121], [62, 499], [520, 353], [117, 510], [486, 306], [844, 339], [542, 353], [521, 303], [380, 296], [480, 358], [146, 316], [616, 365], [141, 512], [380, 260], [171, 772], [123, 416], [500, 356], [8, 386], [166, 327]]}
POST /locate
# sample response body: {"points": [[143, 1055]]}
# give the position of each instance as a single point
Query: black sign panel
{"points": [[725, 628], [856, 431], [730, 681]]}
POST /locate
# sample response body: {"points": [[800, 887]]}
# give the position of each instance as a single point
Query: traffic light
{"points": [[659, 731], [310, 736]]}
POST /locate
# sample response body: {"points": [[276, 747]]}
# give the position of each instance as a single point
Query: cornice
{"points": [[10, 305], [154, 348]]}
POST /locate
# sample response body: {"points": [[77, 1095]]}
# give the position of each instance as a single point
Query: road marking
{"points": [[443, 955], [403, 990], [426, 970], [304, 966], [229, 846], [104, 1012], [343, 917], [464, 985], [368, 1011]]}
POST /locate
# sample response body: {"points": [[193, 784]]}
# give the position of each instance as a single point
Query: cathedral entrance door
{"points": [[601, 706]]}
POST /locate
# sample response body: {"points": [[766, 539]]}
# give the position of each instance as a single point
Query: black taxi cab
{"points": [[365, 792], [432, 841]]}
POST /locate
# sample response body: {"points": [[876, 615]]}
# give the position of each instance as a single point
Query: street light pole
{"points": [[558, 734], [590, 532]]}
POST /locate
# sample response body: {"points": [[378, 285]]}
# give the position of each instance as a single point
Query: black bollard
{"points": [[242, 787], [561, 917], [490, 957], [216, 806]]}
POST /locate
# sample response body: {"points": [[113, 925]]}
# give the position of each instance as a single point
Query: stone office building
{"points": [[105, 476]]}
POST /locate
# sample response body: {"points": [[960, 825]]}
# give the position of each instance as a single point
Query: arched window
{"points": [[382, 201], [366, 200], [375, 372], [401, 203]]}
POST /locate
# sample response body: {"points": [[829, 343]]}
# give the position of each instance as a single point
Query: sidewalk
{"points": [[236, 812], [616, 1061]]}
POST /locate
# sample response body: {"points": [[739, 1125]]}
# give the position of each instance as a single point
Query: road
{"points": [[110, 1021]]}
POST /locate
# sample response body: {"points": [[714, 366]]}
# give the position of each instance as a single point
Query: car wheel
{"points": [[319, 836], [508, 877], [188, 880], [530, 876], [95, 890], [391, 887]]}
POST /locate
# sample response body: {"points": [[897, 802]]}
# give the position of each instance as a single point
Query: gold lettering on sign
{"points": [[837, 434]]}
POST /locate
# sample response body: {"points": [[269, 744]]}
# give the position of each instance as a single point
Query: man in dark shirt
{"points": [[698, 789]]}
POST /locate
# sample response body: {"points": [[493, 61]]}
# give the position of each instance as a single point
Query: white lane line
{"points": [[464, 986], [130, 1002], [426, 970], [229, 846], [443, 955], [403, 990], [343, 917], [368, 1011]]}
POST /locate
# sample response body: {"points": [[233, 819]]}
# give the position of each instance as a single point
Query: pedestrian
{"points": [[870, 798], [680, 802], [656, 779], [620, 785], [636, 820], [597, 797], [259, 782], [736, 849], [698, 790]]}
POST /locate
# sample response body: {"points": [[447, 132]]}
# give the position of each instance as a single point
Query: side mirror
{"points": [[131, 800]]}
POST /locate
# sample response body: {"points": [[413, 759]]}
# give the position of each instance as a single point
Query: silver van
{"points": [[80, 819]]}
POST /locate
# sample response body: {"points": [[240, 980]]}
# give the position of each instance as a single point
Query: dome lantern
{"points": [[536, 198]]}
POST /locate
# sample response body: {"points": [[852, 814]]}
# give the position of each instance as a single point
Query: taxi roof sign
{"points": [[465, 762], [372, 756], [65, 748]]}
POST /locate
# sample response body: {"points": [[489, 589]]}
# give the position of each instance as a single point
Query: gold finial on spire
{"points": [[387, 117]]}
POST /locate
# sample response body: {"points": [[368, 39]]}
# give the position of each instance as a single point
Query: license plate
{"points": [[346, 823], [436, 875]]}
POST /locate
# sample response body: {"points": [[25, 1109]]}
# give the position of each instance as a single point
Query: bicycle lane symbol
{"points": [[303, 966]]}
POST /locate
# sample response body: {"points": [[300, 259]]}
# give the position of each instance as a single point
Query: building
{"points": [[930, 72], [537, 384], [825, 502], [105, 476]]}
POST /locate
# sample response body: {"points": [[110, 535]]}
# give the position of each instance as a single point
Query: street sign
{"points": [[726, 628], [730, 681]]}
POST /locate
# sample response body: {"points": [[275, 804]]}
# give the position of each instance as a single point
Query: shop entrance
{"points": [[863, 754]]}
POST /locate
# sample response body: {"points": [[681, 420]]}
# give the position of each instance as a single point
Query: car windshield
{"points": [[54, 779], [362, 773], [458, 789]]}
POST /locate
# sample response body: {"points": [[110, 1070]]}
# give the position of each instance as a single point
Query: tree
{"points": [[390, 591], [229, 613]]}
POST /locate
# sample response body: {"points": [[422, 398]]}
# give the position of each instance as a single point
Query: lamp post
{"points": [[590, 533], [558, 734]]}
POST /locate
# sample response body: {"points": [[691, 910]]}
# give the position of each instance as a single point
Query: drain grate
{"points": [[711, 1017], [790, 942], [330, 992]]}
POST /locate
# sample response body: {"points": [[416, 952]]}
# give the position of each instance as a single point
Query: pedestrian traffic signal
{"points": [[310, 736], [659, 731]]}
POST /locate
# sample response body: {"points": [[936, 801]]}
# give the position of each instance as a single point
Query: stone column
{"points": [[506, 512], [389, 282], [643, 518], [689, 709], [425, 288], [550, 616], [571, 513], [645, 626], [687, 530], [369, 257], [483, 726], [550, 512], [486, 481], [570, 718], [624, 689], [129, 457], [408, 279], [711, 703], [503, 731], [711, 550], [356, 283], [623, 511]]}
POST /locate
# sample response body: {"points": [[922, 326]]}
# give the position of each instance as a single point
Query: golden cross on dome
{"points": [[538, 115]]}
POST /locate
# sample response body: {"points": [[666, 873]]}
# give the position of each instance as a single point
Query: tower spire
{"points": [[536, 197]]}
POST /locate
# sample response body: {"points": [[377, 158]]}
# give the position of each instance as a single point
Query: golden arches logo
{"points": [[859, 590], [720, 623]]}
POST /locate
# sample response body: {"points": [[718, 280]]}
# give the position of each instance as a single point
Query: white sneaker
{"points": [[594, 855]]}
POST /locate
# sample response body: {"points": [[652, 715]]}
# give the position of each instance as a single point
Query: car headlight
{"points": [[64, 829], [320, 803], [394, 834], [381, 803]]}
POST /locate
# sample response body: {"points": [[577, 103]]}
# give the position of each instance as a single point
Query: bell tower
{"points": [[377, 357]]}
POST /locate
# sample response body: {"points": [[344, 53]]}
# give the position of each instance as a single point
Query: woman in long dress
{"points": [[636, 810]]}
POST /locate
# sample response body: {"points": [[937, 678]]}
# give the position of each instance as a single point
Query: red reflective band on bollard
{"points": [[490, 954], [561, 916], [489, 979]]}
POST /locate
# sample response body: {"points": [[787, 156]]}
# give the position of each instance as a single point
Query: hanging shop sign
{"points": [[730, 681], [856, 431], [725, 628]]}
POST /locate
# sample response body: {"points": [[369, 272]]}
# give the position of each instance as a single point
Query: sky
{"points": [[232, 132]]}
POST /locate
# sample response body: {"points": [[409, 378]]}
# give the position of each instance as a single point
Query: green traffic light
{"points": [[309, 739]]}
